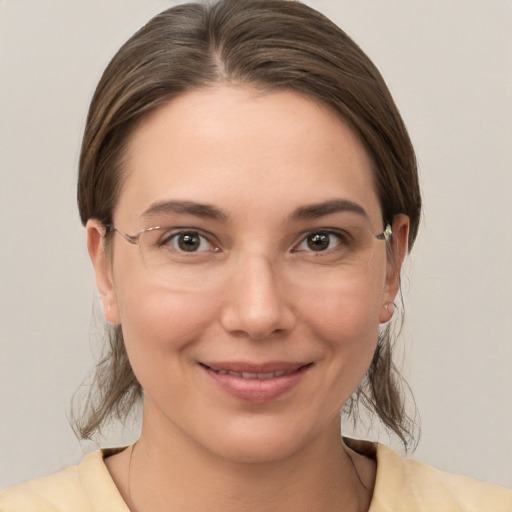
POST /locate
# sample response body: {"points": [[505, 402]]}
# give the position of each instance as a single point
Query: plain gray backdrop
{"points": [[448, 64]]}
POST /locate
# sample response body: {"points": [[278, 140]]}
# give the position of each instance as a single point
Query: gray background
{"points": [[448, 64]]}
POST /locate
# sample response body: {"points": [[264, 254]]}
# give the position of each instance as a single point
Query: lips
{"points": [[249, 375], [256, 382]]}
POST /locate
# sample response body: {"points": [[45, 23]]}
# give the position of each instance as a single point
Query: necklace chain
{"points": [[133, 508], [131, 504]]}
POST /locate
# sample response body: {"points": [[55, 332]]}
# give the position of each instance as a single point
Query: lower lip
{"points": [[257, 390]]}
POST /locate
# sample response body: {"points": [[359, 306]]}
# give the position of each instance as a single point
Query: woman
{"points": [[249, 193]]}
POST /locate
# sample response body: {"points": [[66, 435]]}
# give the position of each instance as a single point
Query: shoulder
{"points": [[406, 484], [87, 487]]}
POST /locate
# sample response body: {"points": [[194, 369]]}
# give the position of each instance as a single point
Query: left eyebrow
{"points": [[314, 211]]}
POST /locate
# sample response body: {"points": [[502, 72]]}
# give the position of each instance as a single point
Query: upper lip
{"points": [[247, 367]]}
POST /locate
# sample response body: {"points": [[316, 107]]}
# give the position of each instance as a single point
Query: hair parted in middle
{"points": [[265, 45]]}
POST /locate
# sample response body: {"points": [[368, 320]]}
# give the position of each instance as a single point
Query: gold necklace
{"points": [[133, 508], [131, 505]]}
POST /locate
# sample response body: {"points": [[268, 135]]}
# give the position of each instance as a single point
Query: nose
{"points": [[254, 304]]}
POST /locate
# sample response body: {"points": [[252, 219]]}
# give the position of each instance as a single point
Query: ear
{"points": [[396, 256], [102, 264]]}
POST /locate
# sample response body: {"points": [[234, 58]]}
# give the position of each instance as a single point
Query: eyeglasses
{"points": [[172, 252]]}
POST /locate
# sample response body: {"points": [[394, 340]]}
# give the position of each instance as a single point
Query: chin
{"points": [[264, 442]]}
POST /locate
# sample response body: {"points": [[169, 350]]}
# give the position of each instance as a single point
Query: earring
{"points": [[390, 307]]}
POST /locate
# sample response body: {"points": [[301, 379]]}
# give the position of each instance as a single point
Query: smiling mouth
{"points": [[242, 370], [251, 375], [256, 383]]}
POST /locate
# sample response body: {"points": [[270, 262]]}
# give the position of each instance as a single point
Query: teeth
{"points": [[248, 375]]}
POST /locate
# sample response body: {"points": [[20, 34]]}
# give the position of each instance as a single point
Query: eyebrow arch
{"points": [[317, 210], [186, 207]]}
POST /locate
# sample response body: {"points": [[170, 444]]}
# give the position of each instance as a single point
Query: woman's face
{"points": [[253, 318]]}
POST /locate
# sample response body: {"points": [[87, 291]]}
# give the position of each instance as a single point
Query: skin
{"points": [[255, 294]]}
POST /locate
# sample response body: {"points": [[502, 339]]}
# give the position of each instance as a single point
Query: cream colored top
{"points": [[401, 485]]}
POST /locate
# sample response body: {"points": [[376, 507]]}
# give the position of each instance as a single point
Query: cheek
{"points": [[161, 317], [343, 310], [345, 320], [160, 326]]}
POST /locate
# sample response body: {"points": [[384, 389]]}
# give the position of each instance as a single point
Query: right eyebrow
{"points": [[185, 207]]}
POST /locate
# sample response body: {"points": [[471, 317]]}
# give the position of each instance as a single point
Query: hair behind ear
{"points": [[116, 389], [383, 392]]}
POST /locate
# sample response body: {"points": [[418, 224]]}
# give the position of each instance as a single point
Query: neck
{"points": [[169, 473]]}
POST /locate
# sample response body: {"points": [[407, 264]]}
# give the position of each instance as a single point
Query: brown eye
{"points": [[322, 241], [318, 241], [189, 242]]}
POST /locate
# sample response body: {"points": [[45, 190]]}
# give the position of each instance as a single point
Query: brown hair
{"points": [[267, 44]]}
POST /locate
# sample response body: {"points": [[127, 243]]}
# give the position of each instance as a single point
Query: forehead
{"points": [[243, 150]]}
